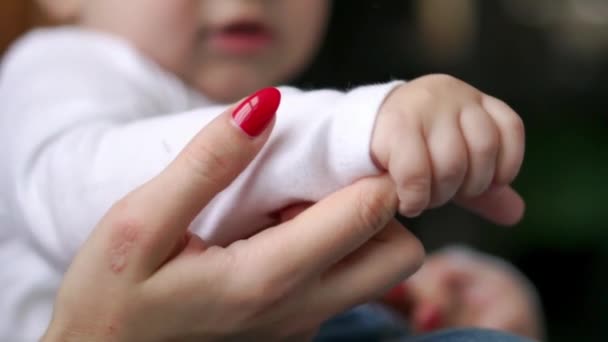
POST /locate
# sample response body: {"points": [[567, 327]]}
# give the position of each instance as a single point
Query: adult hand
{"points": [[142, 276]]}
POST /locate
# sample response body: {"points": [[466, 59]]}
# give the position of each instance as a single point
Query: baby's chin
{"points": [[228, 85]]}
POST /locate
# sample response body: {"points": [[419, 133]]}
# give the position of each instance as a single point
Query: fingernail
{"points": [[429, 318], [256, 112], [408, 212], [397, 294]]}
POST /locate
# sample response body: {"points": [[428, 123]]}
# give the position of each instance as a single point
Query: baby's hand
{"points": [[441, 139]]}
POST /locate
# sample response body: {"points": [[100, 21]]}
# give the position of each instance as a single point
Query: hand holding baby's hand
{"points": [[442, 139]]}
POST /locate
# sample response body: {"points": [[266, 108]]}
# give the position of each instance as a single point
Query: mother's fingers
{"points": [[328, 231], [158, 214], [384, 261], [292, 211]]}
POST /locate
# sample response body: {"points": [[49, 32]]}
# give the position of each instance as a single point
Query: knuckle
{"points": [[470, 191], [418, 255], [516, 124], [452, 172], [415, 254], [257, 292], [448, 84], [486, 145], [418, 182], [476, 187], [374, 211], [442, 86], [425, 98], [512, 121], [123, 219], [506, 175], [125, 234], [209, 165], [260, 296], [419, 96], [445, 190], [441, 78], [416, 190], [510, 163], [407, 254]]}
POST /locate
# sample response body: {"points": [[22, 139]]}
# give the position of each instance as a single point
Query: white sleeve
{"points": [[77, 138], [321, 142]]}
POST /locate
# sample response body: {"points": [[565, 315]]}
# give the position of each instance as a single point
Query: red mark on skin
{"points": [[111, 330], [124, 238]]}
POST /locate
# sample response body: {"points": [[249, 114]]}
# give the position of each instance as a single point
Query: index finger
{"points": [[329, 230], [163, 208]]}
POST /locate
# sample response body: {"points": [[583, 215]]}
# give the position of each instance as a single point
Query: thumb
{"points": [[501, 205], [207, 165]]}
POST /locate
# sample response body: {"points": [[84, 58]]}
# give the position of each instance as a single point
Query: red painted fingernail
{"points": [[256, 112], [429, 319], [397, 294]]}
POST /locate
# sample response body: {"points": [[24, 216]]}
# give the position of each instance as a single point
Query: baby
{"points": [[89, 112]]}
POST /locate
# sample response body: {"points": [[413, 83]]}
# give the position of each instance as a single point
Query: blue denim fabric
{"points": [[372, 322], [466, 335]]}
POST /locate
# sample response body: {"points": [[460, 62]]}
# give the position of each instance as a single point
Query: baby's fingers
{"points": [[448, 154], [411, 171], [483, 143], [512, 136], [501, 205]]}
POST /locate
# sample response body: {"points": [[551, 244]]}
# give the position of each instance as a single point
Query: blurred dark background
{"points": [[549, 60]]}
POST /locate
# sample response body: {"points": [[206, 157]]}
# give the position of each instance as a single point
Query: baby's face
{"points": [[242, 45], [225, 48]]}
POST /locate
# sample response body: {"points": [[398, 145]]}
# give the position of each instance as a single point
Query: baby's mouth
{"points": [[240, 38]]}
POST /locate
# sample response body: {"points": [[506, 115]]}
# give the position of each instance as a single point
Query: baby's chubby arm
{"points": [[441, 139]]}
